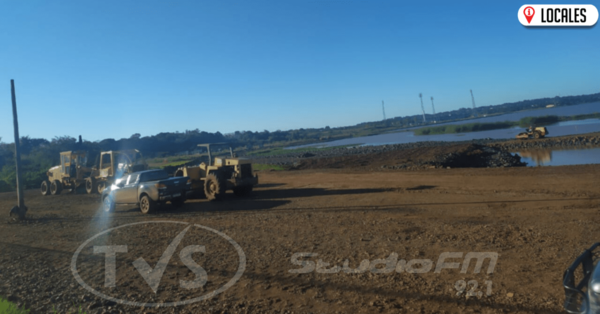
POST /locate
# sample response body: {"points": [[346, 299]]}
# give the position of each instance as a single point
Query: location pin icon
{"points": [[529, 12]]}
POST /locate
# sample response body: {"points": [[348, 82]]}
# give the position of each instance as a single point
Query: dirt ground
{"points": [[537, 220]]}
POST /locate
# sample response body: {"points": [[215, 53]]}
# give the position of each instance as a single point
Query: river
{"points": [[550, 157], [559, 129]]}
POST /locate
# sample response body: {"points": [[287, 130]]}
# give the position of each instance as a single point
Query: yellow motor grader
{"points": [[215, 178], [70, 174], [113, 165]]}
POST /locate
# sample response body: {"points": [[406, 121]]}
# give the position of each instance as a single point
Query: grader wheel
{"points": [[91, 186], [45, 187], [55, 187], [101, 186]]}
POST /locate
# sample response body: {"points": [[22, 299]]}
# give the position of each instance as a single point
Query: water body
{"points": [[559, 129], [516, 116], [550, 157]]}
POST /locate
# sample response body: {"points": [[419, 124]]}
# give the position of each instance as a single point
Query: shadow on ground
{"points": [[310, 192]]}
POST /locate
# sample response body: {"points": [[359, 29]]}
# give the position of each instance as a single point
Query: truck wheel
{"points": [[214, 187], [147, 205], [55, 187], [100, 186], [107, 204], [91, 185], [242, 190], [536, 135], [45, 187]]}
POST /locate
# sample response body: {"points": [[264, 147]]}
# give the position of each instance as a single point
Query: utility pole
{"points": [[19, 210], [383, 108], [433, 107], [422, 107]]}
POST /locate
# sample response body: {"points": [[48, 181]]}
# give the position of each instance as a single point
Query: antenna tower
{"points": [[422, 107], [433, 107]]}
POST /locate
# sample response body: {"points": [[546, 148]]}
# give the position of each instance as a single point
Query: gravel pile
{"points": [[472, 156]]}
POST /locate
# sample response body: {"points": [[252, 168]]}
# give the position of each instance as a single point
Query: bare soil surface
{"points": [[537, 220]]}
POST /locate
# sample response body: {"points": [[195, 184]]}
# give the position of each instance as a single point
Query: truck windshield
{"points": [[154, 176]]}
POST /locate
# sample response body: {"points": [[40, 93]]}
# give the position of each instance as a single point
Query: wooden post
{"points": [[21, 210]]}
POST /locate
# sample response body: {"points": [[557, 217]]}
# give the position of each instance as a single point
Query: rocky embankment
{"points": [[295, 157], [566, 142], [469, 156], [477, 153], [414, 156]]}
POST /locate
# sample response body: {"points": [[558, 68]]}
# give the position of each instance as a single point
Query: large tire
{"points": [[243, 190], [214, 187], [147, 205], [45, 187], [107, 204], [536, 135], [100, 186], [91, 186], [55, 187]]}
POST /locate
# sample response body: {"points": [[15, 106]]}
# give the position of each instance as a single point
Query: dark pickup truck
{"points": [[582, 288], [146, 189]]}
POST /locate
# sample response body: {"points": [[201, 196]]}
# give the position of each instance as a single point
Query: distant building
{"points": [[550, 106]]}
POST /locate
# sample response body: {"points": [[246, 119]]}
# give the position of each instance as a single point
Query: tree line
{"points": [[39, 154]]}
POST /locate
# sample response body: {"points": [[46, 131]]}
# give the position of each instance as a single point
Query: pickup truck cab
{"points": [[583, 297], [147, 190]]}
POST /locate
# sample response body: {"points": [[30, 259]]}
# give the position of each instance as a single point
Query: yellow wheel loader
{"points": [[538, 132]]}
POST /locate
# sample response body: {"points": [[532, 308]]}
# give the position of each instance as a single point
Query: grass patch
{"points": [[266, 167], [464, 128], [538, 121], [169, 161], [282, 151], [7, 307]]}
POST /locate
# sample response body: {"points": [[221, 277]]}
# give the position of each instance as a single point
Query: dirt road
{"points": [[537, 220]]}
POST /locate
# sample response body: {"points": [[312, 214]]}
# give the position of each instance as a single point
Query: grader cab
{"points": [[70, 174], [113, 165], [220, 174]]}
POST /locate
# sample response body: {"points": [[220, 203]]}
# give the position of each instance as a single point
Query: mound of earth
{"points": [[454, 156]]}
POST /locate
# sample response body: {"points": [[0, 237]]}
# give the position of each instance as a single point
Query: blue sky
{"points": [[113, 68]]}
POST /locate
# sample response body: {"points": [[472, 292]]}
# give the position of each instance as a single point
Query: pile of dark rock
{"points": [[477, 156], [471, 156]]}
